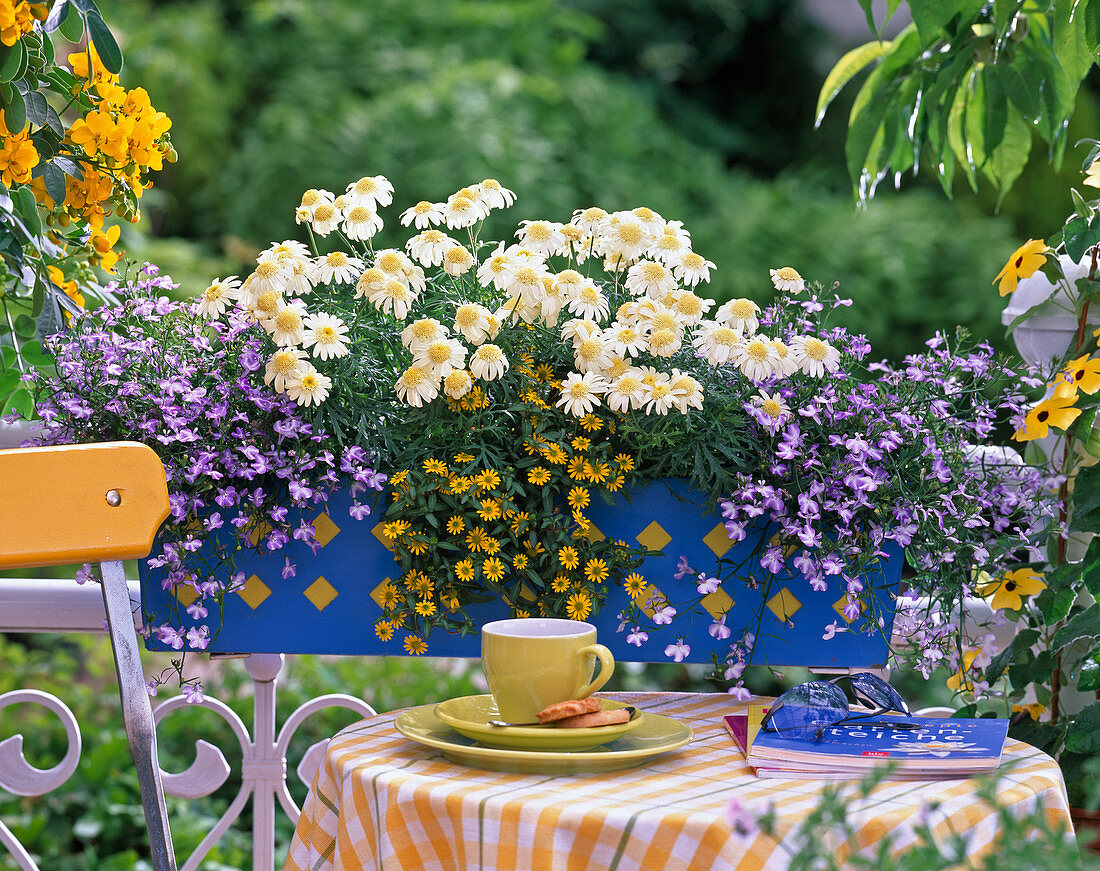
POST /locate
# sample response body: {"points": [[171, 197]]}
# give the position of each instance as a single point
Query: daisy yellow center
{"points": [[396, 290], [539, 231], [432, 237], [326, 335], [649, 379], [627, 335], [689, 305], [414, 377], [267, 269], [787, 274], [571, 233], [214, 292], [309, 382], [323, 213], [692, 261], [664, 321], [456, 255], [757, 350], [359, 214], [618, 367], [284, 362], [593, 214], [589, 294], [390, 262], [439, 352], [366, 186], [653, 272], [771, 408], [461, 204], [660, 391], [628, 384], [668, 242], [579, 390], [336, 259], [780, 349], [499, 263], [491, 184], [288, 320], [422, 208], [467, 316], [742, 309], [816, 349], [630, 233], [311, 198], [590, 349], [489, 354], [644, 214], [267, 302], [570, 276], [527, 275], [468, 194], [457, 379], [372, 276], [724, 336], [423, 329], [661, 338]]}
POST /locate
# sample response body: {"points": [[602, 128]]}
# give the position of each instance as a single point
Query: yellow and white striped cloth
{"points": [[383, 801]]}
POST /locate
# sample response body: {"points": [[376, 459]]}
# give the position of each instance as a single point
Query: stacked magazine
{"points": [[936, 748]]}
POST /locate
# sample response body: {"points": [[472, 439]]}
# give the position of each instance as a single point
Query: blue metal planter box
{"points": [[329, 606]]}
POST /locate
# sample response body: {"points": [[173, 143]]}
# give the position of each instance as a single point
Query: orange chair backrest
{"points": [[79, 503]]}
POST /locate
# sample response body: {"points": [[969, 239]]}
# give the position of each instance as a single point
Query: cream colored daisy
{"points": [[488, 363], [281, 366], [457, 260], [422, 215], [269, 274], [308, 386], [265, 306], [717, 342], [625, 392], [311, 199], [361, 223], [672, 243], [289, 248], [326, 217], [787, 280], [622, 240], [394, 297], [772, 404], [427, 247], [371, 192], [785, 363], [542, 237], [814, 356], [494, 194], [371, 280], [649, 278], [300, 276], [416, 386], [461, 212], [740, 314], [687, 390], [393, 262], [337, 268], [472, 321], [591, 355], [660, 396], [692, 268], [688, 308], [665, 342], [589, 303], [457, 383], [327, 335], [580, 394], [756, 359], [422, 332], [218, 296], [589, 221], [495, 268], [625, 339], [653, 222], [440, 357], [287, 326], [576, 330], [524, 282]]}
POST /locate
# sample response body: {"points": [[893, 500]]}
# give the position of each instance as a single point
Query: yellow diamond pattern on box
{"points": [[783, 605], [594, 533], [376, 593], [185, 593], [324, 528], [839, 604], [254, 592], [655, 597], [257, 531], [718, 540], [377, 532], [653, 537], [717, 603], [320, 593], [789, 551]]}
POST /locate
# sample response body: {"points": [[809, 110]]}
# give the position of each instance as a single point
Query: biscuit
{"points": [[599, 718], [569, 708]]}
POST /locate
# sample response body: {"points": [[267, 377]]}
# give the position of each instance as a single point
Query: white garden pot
{"points": [[14, 433]]}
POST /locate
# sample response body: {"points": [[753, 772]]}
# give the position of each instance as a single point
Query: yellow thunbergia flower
{"points": [[538, 476], [1007, 591], [1084, 374], [475, 539], [464, 570], [384, 630], [425, 607], [560, 584], [1056, 410], [1024, 262], [435, 467], [490, 545], [579, 498], [456, 525], [960, 680], [1034, 710], [1092, 176]]}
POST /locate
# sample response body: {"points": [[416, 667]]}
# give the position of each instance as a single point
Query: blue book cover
{"points": [[936, 744]]}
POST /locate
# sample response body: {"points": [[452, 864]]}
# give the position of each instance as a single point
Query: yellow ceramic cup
{"points": [[533, 662]]}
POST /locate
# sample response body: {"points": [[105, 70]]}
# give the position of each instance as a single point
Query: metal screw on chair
{"points": [[114, 498]]}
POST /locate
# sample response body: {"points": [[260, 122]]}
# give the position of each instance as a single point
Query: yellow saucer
{"points": [[470, 716], [654, 735]]}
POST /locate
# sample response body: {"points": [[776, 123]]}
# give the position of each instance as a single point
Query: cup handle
{"points": [[607, 668]]}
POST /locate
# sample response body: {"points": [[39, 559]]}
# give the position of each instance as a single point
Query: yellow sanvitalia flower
{"points": [[415, 645], [560, 584], [579, 606], [1057, 411], [1024, 262], [1007, 591], [569, 558], [493, 569], [1084, 374]]}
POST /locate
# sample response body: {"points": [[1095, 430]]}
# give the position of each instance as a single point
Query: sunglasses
{"points": [[811, 708]]}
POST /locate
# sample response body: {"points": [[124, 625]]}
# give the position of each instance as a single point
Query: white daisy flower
{"points": [[524, 282], [472, 321], [457, 260], [618, 366], [688, 391], [289, 248], [327, 335], [622, 240], [581, 393], [440, 357], [496, 319], [740, 314], [625, 339], [787, 280], [311, 199], [302, 215], [414, 275], [325, 218], [371, 192], [370, 280], [266, 305], [218, 296], [815, 356], [461, 212], [576, 330], [689, 308], [422, 215], [300, 277], [361, 223], [551, 302], [589, 221], [337, 268], [421, 332], [692, 268], [416, 386], [661, 395], [269, 274], [394, 263], [717, 342], [665, 342], [488, 363], [427, 247], [649, 278], [773, 405], [542, 237], [495, 268], [457, 383], [625, 392], [786, 364], [756, 359], [394, 297], [494, 194], [589, 302], [287, 327], [281, 365], [308, 386], [653, 222], [591, 355], [670, 244]]}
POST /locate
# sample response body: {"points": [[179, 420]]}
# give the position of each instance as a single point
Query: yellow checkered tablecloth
{"points": [[383, 801]]}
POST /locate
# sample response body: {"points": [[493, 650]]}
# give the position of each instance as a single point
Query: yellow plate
{"points": [[470, 716], [655, 734]]}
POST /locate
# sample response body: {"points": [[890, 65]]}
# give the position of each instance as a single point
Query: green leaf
{"points": [[1090, 12], [104, 42], [1086, 493], [57, 14], [15, 58], [1032, 669], [996, 111], [1022, 642], [37, 108], [54, 180], [845, 70], [27, 208], [1022, 89], [25, 327], [1089, 680], [1084, 625], [69, 167], [1043, 736], [21, 402], [1083, 735], [1010, 158], [1055, 604], [933, 16], [1080, 235], [72, 25], [15, 111], [1080, 207], [959, 124]]}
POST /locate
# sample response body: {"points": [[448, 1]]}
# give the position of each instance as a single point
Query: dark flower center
{"points": [[1042, 416], [1010, 586], [1019, 262]]}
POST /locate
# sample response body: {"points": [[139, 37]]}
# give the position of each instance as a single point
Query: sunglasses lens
{"points": [[806, 708], [874, 691]]}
